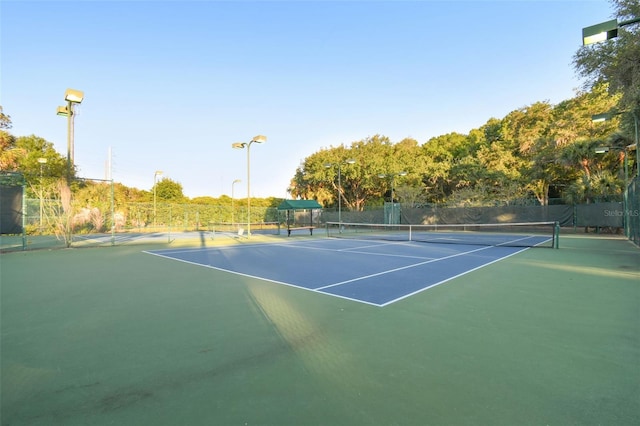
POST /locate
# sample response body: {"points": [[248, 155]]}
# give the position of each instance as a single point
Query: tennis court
{"points": [[114, 335], [368, 271]]}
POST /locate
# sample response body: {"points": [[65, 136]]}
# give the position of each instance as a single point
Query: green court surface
{"points": [[114, 336]]}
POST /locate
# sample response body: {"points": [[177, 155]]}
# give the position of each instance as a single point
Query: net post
{"points": [[556, 235]]}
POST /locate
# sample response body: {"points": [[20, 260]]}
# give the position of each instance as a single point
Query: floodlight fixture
{"points": [[604, 31], [598, 118], [241, 145], [600, 32], [391, 175], [602, 150], [75, 96], [259, 139]]}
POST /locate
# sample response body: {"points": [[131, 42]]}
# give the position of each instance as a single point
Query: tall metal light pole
{"points": [[635, 123], [625, 201], [42, 162], [72, 97], [155, 176], [232, 197], [392, 176], [602, 32], [241, 145], [340, 195], [608, 115]]}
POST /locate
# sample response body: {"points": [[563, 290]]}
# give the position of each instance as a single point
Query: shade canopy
{"points": [[299, 205]]}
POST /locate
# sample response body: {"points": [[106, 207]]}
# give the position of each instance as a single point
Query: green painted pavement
{"points": [[104, 336]]}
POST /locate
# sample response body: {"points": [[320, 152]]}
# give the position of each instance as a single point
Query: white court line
{"points": [[200, 249], [320, 290], [401, 268], [450, 278], [355, 250], [262, 278]]}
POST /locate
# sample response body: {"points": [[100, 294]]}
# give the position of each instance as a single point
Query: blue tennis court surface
{"points": [[372, 272]]}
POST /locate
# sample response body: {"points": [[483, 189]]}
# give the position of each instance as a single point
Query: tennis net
{"points": [[531, 234]]}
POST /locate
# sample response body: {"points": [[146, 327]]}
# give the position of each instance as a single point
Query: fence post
{"points": [[24, 215]]}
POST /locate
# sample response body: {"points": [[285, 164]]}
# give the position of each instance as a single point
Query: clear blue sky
{"points": [[170, 85]]}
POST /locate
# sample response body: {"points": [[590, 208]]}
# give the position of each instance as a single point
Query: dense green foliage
{"points": [[534, 153]]}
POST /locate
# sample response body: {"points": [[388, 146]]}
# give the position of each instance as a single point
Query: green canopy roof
{"points": [[299, 205]]}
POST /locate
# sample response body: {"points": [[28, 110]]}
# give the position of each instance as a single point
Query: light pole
{"points": [[155, 176], [604, 150], [340, 195], [42, 162], [232, 208], [392, 176], [607, 116], [602, 32], [241, 145], [72, 97]]}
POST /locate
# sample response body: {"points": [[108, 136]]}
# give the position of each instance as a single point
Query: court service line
{"points": [[401, 268], [450, 278], [368, 253], [528, 237]]}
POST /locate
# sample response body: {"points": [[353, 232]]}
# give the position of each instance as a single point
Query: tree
{"points": [[5, 120], [567, 123], [9, 154], [440, 155], [169, 190], [36, 173]]}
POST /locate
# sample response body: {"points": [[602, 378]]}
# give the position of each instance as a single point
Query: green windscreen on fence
{"points": [[11, 209]]}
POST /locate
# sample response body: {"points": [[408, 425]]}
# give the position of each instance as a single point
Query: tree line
{"points": [[537, 152]]}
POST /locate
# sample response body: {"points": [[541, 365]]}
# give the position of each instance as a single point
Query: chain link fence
{"points": [[51, 223]]}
